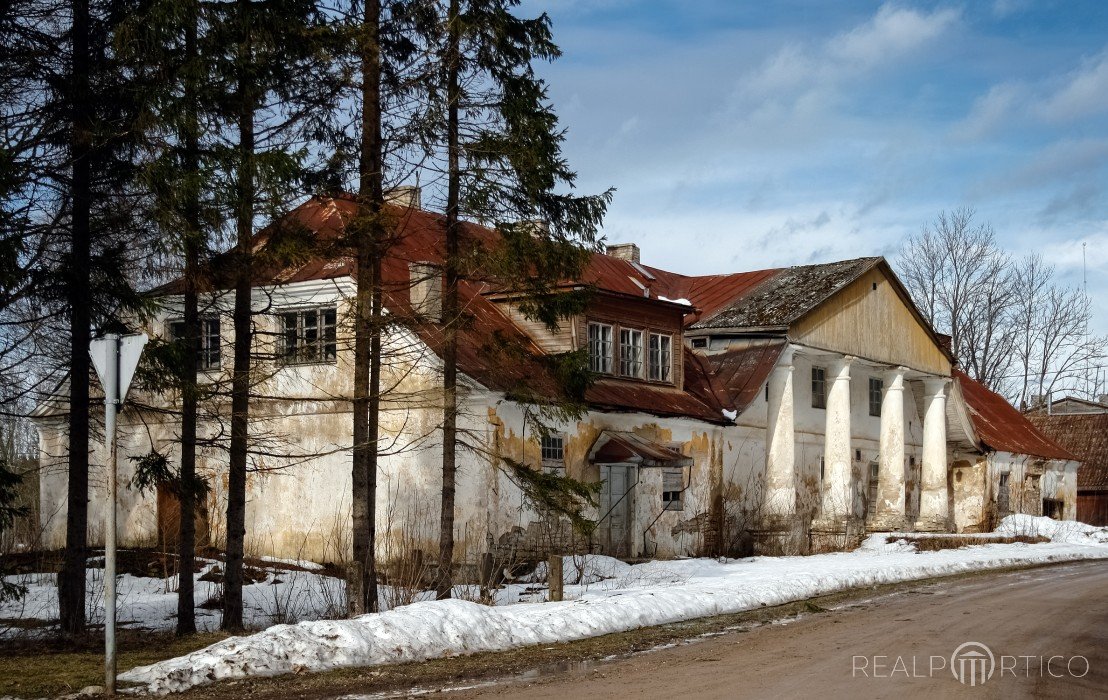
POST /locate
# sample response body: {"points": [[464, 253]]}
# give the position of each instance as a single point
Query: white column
{"points": [[934, 511], [838, 501], [888, 511], [780, 500]]}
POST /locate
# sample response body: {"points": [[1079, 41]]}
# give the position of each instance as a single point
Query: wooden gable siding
{"points": [[875, 324], [552, 342]]}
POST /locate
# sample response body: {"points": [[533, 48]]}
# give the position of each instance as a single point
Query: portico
{"points": [[864, 418]]}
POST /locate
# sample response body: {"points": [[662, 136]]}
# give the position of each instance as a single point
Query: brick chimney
{"points": [[624, 251], [404, 196]]}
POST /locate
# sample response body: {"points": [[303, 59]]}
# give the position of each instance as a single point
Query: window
{"points": [[630, 352], [307, 336], [553, 451], [661, 357], [209, 341], [871, 487], [822, 468], [600, 348], [819, 387], [876, 391], [700, 342], [673, 488]]}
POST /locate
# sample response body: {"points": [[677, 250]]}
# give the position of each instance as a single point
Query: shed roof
{"points": [[1086, 436], [1001, 427], [613, 447]]}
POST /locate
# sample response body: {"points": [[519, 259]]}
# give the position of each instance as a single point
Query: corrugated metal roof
{"points": [[1085, 435], [613, 447], [1001, 427], [731, 379]]}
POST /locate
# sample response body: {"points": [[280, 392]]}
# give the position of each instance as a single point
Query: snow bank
{"points": [[584, 569], [1067, 531], [648, 594]]}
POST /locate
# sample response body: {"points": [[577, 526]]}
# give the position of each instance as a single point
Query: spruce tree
{"points": [[503, 165]]}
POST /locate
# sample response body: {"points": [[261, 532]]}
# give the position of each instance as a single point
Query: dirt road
{"points": [[1047, 631]]}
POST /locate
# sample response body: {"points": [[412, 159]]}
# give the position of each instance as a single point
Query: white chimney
{"points": [[404, 196], [624, 251]]}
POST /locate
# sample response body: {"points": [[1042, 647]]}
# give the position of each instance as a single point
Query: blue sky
{"points": [[742, 135]]}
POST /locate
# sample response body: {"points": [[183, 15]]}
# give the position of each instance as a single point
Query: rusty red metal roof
{"points": [[1085, 435], [613, 446], [1001, 427], [731, 379]]}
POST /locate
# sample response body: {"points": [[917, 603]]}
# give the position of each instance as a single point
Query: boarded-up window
{"points": [[673, 488], [426, 290]]}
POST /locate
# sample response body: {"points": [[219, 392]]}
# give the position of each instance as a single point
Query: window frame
{"points": [[659, 359], [553, 462], [325, 341], [208, 358], [601, 363], [673, 500], [631, 366], [876, 396], [819, 398]]}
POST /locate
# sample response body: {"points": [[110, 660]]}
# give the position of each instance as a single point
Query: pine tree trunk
{"points": [[450, 311], [71, 579], [362, 595], [240, 379], [186, 540]]}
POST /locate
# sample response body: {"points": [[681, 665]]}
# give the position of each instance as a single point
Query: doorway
{"points": [[616, 508]]}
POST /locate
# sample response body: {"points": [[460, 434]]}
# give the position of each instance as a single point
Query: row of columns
{"points": [[888, 513]]}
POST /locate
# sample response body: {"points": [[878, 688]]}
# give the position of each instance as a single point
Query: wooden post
{"points": [[486, 573], [554, 577]]}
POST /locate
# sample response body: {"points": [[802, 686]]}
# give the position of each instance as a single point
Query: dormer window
{"points": [[630, 352], [600, 348], [661, 357]]}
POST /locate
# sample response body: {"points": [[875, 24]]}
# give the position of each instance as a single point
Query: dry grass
{"points": [[935, 544], [48, 668]]}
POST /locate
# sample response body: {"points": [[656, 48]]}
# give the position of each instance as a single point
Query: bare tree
{"points": [[1013, 327], [964, 284]]}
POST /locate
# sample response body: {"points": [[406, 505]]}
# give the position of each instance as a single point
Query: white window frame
{"points": [[631, 353], [209, 357], [547, 451], [661, 358], [323, 349], [600, 347]]}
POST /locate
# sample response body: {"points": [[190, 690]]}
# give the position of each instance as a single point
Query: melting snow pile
{"points": [[610, 597], [1065, 531]]}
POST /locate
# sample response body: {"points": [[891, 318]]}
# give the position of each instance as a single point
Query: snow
{"points": [[1066, 531], [151, 603], [609, 596], [730, 414], [585, 569], [682, 301]]}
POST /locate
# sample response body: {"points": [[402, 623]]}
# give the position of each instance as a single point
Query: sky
{"points": [[741, 134]]}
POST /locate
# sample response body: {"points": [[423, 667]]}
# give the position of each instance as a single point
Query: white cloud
{"points": [[1085, 93], [990, 111], [1007, 8], [893, 32]]}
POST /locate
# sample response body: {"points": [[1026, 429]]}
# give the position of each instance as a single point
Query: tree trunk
{"points": [[240, 379], [450, 310], [186, 541], [71, 579], [362, 596]]}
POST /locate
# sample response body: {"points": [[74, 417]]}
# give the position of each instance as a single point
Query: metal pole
{"points": [[111, 406]]}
